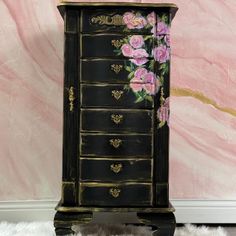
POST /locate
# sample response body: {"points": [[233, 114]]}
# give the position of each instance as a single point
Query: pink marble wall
{"points": [[203, 108]]}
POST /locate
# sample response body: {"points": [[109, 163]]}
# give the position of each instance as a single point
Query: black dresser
{"points": [[116, 113]]}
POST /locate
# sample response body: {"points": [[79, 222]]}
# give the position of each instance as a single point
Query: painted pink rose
{"points": [[134, 22], [127, 18], [151, 18], [149, 78], [140, 53], [149, 88], [152, 88], [136, 41], [138, 22], [162, 28], [163, 112], [167, 39], [140, 72], [127, 50], [139, 61], [136, 84], [161, 53]]}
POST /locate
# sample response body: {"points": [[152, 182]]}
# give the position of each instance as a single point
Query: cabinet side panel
{"points": [[161, 112], [71, 101]]}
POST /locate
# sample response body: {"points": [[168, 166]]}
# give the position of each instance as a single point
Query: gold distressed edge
{"points": [[116, 209], [137, 157], [116, 34], [83, 185], [115, 134], [148, 180], [123, 4], [116, 159], [63, 183], [134, 110], [112, 184]]}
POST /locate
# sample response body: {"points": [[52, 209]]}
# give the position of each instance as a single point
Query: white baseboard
{"points": [[187, 211]]}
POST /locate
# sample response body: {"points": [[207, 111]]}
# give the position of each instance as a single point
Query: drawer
{"points": [[103, 194], [114, 45], [111, 145], [115, 170], [116, 121], [115, 96], [109, 71], [117, 20]]}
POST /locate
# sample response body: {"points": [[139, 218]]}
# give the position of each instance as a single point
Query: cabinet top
{"points": [[173, 8]]}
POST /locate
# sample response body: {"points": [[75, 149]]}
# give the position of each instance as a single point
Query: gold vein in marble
{"points": [[184, 92]]}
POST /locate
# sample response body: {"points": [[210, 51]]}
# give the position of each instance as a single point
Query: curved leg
{"points": [[63, 222], [162, 223]]}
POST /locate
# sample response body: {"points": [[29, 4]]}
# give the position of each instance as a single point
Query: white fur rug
{"points": [[47, 229]]}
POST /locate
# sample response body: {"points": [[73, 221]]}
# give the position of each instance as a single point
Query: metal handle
{"points": [[117, 94], [115, 192], [71, 98], [116, 168], [116, 68], [115, 142], [116, 43], [117, 118]]}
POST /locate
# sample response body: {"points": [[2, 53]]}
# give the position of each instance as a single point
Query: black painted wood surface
{"points": [[129, 195], [130, 145], [89, 25], [90, 48], [108, 170], [90, 160], [103, 71], [116, 121], [102, 96]]}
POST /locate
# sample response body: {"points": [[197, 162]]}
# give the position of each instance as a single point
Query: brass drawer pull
{"points": [[116, 43], [116, 168], [116, 68], [71, 98], [117, 118], [117, 94], [115, 142], [115, 192]]}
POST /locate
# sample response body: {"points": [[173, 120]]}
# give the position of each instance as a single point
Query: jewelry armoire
{"points": [[116, 113]]}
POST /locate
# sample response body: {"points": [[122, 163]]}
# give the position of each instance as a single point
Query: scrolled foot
{"points": [[163, 224]]}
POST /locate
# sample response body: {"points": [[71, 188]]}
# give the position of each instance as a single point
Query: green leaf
{"points": [[149, 98], [162, 66], [151, 65], [161, 124], [125, 40], [126, 30], [128, 68], [131, 74], [161, 80], [148, 37], [127, 87], [139, 99]]}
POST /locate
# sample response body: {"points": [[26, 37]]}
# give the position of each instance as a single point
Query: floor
{"points": [[231, 229]]}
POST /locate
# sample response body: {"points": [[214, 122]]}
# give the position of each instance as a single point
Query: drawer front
{"points": [[114, 45], [109, 71], [117, 20], [115, 96], [111, 145], [115, 170], [115, 121], [115, 194], [101, 70]]}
